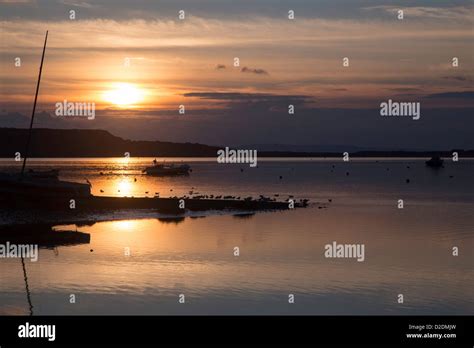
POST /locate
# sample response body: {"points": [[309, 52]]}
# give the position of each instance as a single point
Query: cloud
{"points": [[167, 9], [457, 13], [404, 89], [82, 4], [257, 71], [16, 1], [106, 34], [248, 97], [452, 95], [459, 78]]}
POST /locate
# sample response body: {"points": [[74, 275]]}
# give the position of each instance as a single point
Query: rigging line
{"points": [[28, 294], [34, 107]]}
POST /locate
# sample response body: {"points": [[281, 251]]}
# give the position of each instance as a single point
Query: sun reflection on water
{"points": [[124, 187], [125, 225]]}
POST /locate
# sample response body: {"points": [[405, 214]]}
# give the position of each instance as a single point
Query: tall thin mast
{"points": [[34, 107]]}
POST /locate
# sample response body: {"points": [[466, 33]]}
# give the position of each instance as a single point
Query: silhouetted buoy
{"points": [[347, 173], [102, 191], [92, 250], [241, 170], [281, 177], [407, 181], [135, 179], [330, 200]]}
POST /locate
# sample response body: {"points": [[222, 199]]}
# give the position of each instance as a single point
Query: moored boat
{"points": [[167, 169], [435, 162]]}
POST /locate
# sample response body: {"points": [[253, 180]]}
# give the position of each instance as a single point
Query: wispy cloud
{"points": [[17, 1], [464, 13], [257, 71], [468, 95], [255, 97], [82, 4], [459, 78], [404, 89]]}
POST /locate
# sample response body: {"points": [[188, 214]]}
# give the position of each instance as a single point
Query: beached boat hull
{"points": [[42, 235], [16, 187]]}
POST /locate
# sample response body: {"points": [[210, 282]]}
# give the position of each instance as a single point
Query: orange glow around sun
{"points": [[124, 95]]}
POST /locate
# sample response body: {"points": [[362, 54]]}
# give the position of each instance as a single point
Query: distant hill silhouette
{"points": [[100, 143], [90, 143]]}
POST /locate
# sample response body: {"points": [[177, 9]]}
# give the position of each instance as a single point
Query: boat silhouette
{"points": [[167, 169], [435, 162], [42, 235]]}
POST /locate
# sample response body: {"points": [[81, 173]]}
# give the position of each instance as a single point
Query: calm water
{"points": [[407, 251]]}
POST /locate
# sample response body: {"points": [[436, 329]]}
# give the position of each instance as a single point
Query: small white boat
{"points": [[167, 169]]}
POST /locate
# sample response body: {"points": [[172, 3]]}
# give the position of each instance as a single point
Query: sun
{"points": [[124, 94]]}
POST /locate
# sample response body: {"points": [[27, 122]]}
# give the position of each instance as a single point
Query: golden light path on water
{"points": [[279, 253]]}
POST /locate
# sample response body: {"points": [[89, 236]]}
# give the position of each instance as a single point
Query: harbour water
{"points": [[140, 263]]}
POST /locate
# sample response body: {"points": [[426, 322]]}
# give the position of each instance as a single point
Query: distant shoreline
{"points": [[213, 159], [92, 143]]}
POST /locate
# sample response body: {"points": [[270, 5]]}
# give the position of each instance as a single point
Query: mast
{"points": [[34, 107]]}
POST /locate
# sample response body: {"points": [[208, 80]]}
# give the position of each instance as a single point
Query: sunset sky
{"points": [[282, 62]]}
